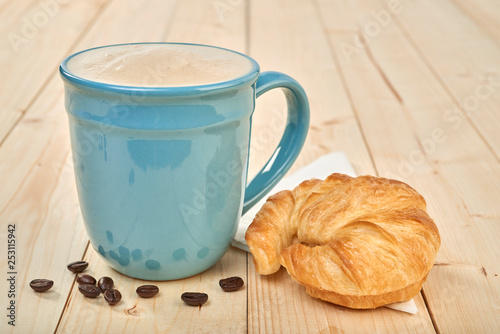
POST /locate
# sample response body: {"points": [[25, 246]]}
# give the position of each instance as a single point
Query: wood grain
{"points": [[464, 58], [39, 196], [220, 22], [399, 96], [35, 38], [286, 37], [485, 13]]}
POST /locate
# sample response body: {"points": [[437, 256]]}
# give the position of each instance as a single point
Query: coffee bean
{"points": [[85, 279], [112, 296], [194, 298], [231, 283], [41, 285], [89, 290], [105, 283], [147, 291], [77, 266]]}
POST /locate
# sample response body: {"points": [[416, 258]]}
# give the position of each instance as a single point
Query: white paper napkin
{"points": [[336, 162]]}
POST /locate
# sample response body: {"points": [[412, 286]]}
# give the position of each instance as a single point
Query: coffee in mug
{"points": [[159, 65]]}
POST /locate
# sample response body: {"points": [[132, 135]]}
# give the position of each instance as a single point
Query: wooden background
{"points": [[408, 89]]}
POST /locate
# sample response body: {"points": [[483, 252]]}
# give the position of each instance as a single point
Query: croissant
{"points": [[360, 242]]}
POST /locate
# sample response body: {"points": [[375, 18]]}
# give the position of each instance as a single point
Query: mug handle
{"points": [[291, 142]]}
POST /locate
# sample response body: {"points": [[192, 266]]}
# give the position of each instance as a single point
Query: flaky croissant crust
{"points": [[358, 242]]}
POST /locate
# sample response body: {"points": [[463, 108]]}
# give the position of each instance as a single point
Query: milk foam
{"points": [[159, 65]]}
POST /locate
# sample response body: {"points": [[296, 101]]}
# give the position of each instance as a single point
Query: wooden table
{"points": [[408, 89]]}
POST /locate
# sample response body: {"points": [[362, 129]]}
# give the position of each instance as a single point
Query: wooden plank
{"points": [[219, 22], [287, 36], [279, 42], [464, 58], [36, 35], [10, 11], [225, 313], [485, 13], [39, 197], [284, 307], [397, 94], [38, 192]]}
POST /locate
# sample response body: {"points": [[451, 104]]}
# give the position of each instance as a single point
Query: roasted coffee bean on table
{"points": [[194, 298], [41, 285], [89, 290], [231, 283], [85, 279], [105, 283], [77, 266], [112, 296], [147, 291]]}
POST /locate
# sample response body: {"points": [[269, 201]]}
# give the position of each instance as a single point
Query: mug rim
{"points": [[243, 80]]}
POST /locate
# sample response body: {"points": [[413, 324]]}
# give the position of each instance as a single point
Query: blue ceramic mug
{"points": [[161, 171]]}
